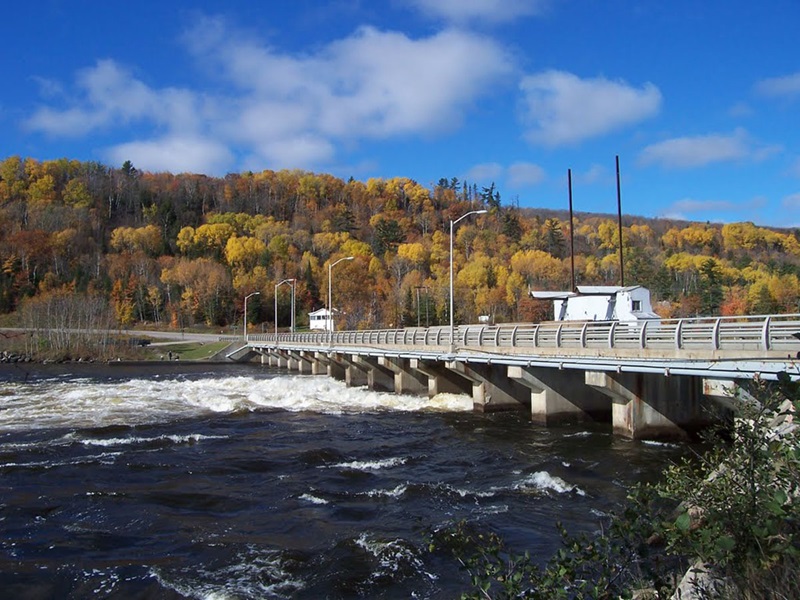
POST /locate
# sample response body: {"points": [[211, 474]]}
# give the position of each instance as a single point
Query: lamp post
{"points": [[452, 224], [330, 304], [245, 312], [291, 282]]}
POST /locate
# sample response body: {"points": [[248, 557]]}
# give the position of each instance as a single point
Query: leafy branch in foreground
{"points": [[731, 511]]}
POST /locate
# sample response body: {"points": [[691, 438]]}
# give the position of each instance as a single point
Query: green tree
{"points": [[388, 235], [711, 293]]}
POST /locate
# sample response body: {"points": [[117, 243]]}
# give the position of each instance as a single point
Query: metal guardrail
{"points": [[755, 333]]}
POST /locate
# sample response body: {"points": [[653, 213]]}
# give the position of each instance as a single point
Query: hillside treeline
{"points": [[182, 250]]}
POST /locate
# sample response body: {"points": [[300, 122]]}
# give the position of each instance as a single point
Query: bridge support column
{"points": [[299, 361], [561, 396], [652, 406], [335, 367], [379, 377], [319, 366], [441, 380], [278, 359], [492, 389], [354, 373], [407, 380]]}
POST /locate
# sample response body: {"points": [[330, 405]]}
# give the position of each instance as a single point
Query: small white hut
{"points": [[320, 319], [600, 303]]}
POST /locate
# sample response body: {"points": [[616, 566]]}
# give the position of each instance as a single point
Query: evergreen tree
{"points": [[409, 318], [711, 294], [312, 289], [388, 234], [554, 238]]}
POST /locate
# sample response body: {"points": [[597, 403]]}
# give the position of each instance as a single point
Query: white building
{"points": [[320, 319], [600, 303]]}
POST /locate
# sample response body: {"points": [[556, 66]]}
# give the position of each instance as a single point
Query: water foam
{"points": [[543, 481], [84, 404], [255, 573], [370, 465]]}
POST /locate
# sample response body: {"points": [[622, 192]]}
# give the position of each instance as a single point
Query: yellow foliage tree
{"points": [[243, 253]]}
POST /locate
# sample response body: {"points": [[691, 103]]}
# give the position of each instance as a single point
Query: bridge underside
{"points": [[637, 405]]}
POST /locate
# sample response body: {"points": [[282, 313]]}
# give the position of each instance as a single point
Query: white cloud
{"points": [[282, 110], [560, 108], [594, 174], [791, 201], [174, 154], [720, 211], [484, 173], [701, 150], [689, 205], [111, 96], [516, 176], [373, 84], [787, 86], [794, 168], [523, 174], [492, 11]]}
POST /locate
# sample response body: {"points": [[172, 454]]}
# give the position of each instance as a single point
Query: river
{"points": [[242, 482]]}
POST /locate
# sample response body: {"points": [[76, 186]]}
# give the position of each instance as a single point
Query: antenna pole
{"points": [[619, 222], [571, 231]]}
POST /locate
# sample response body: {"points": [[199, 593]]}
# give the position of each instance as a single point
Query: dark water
{"points": [[243, 482]]}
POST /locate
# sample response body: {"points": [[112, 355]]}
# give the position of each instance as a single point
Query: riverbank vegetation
{"points": [[724, 524], [175, 251]]}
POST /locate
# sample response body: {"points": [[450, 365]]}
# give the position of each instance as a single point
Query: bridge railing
{"points": [[754, 333]]}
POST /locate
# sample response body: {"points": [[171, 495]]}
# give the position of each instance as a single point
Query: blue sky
{"points": [[699, 98]]}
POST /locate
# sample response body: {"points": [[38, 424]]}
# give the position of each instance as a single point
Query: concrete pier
{"points": [[651, 406], [561, 396], [492, 388]]}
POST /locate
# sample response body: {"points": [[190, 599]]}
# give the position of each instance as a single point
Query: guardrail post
{"points": [[611, 331], [678, 334], [536, 336], [715, 335], [558, 335], [497, 336], [765, 334], [583, 334], [643, 336], [514, 336], [480, 336]]}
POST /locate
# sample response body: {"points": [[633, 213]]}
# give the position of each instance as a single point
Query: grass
{"points": [[187, 350]]}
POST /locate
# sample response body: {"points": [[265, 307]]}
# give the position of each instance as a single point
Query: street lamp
{"points": [[245, 312], [330, 304], [291, 282], [452, 224]]}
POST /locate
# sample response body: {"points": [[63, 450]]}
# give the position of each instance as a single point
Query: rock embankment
{"points": [[13, 357]]}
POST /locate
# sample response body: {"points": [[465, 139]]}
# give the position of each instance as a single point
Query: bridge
{"points": [[650, 379]]}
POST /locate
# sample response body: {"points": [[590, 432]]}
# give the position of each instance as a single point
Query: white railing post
{"points": [[765, 334], [678, 334]]}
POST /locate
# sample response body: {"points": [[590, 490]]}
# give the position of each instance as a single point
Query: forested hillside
{"points": [[181, 250]]}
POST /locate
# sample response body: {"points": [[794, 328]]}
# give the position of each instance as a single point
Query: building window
{"points": [[637, 305]]}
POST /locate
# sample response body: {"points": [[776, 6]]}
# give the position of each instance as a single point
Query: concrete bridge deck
{"points": [[650, 379]]}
